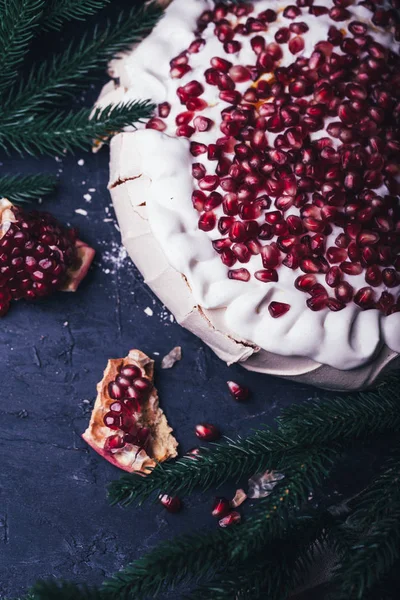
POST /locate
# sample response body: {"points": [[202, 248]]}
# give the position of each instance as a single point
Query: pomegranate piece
{"points": [[207, 432], [127, 427], [171, 503], [221, 507], [278, 309], [239, 392], [38, 256], [231, 519]]}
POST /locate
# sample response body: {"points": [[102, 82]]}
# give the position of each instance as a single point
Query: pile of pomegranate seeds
{"points": [[302, 171], [38, 256], [129, 390]]}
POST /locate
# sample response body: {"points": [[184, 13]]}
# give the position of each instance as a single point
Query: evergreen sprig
{"points": [[315, 423], [59, 132], [57, 12], [23, 188], [374, 533], [66, 73], [19, 20]]}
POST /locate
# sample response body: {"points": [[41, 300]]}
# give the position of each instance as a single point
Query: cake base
{"points": [[129, 198]]}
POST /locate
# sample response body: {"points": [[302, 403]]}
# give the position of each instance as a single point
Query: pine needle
{"points": [[53, 590], [24, 188], [64, 74], [18, 23], [58, 12], [59, 133]]}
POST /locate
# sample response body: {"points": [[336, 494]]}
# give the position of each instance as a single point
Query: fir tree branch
{"points": [[314, 423], [375, 529], [55, 133], [277, 570], [71, 70], [50, 590], [345, 418], [18, 22], [23, 188], [58, 12]]}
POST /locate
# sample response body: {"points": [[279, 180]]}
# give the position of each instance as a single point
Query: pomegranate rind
{"points": [[85, 255], [131, 458]]}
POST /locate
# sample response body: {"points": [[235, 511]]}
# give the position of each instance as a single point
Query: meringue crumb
{"points": [[87, 197], [81, 211], [81, 162], [149, 311]]}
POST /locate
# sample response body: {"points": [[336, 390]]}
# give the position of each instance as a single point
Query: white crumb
{"points": [[87, 197], [108, 220], [149, 311], [113, 258], [156, 353], [116, 227], [66, 324], [81, 211], [81, 162], [92, 190]]}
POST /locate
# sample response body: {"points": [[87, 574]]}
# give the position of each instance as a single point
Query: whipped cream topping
{"points": [[344, 339]]}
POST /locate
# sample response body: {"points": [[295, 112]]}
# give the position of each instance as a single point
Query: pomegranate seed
{"points": [[231, 519], [207, 221], [333, 277], [221, 507], [390, 278], [156, 124], [214, 200], [296, 45], [222, 244], [196, 149], [282, 35], [239, 392], [335, 305], [278, 309], [198, 199], [270, 256], [241, 252], [364, 298], [172, 503], [185, 131], [239, 274], [291, 12], [373, 276], [112, 421], [228, 258], [304, 283], [212, 76], [299, 27], [114, 442], [225, 224], [230, 96], [209, 183], [220, 64], [239, 74], [266, 275], [317, 302], [179, 71], [351, 268], [339, 14], [207, 432], [357, 28], [232, 47], [202, 123], [196, 46], [336, 255], [258, 44], [164, 110], [269, 16], [198, 170]]}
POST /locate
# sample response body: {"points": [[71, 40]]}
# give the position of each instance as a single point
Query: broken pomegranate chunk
{"points": [[127, 426], [38, 256]]}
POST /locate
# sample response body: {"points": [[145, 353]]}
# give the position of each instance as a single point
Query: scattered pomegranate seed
{"points": [[207, 432], [172, 503], [231, 519], [221, 507], [239, 392]]}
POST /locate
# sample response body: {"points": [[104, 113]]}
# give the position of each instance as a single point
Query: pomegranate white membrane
{"points": [[270, 171]]}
